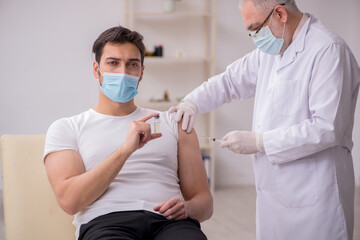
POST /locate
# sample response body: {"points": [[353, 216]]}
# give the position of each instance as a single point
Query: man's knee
{"points": [[188, 229]]}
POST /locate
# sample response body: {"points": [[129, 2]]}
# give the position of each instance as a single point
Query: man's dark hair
{"points": [[118, 34]]}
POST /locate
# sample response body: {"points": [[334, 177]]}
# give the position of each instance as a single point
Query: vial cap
{"points": [[157, 117]]}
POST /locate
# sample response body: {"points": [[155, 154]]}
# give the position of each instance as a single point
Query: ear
{"points": [[281, 13], [96, 69]]}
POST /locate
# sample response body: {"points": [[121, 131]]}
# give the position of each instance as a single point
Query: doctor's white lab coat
{"points": [[304, 105]]}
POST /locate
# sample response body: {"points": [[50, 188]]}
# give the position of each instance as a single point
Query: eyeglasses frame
{"points": [[267, 18]]}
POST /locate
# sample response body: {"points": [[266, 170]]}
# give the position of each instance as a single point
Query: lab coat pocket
{"points": [[285, 97], [296, 183]]}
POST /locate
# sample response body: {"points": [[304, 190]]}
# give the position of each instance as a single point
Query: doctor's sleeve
{"points": [[237, 82], [332, 90]]}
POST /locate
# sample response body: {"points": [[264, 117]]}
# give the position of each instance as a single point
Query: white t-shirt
{"points": [[148, 177]]}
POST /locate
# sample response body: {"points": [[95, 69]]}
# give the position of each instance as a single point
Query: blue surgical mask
{"points": [[119, 87], [267, 42]]}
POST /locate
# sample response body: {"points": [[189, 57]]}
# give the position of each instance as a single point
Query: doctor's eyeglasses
{"points": [[253, 34]]}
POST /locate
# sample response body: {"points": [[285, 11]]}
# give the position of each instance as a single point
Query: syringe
{"points": [[213, 139]]}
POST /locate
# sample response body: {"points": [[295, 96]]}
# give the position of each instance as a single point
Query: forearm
{"points": [[330, 97], [203, 97], [238, 81], [200, 207], [294, 142], [80, 191]]}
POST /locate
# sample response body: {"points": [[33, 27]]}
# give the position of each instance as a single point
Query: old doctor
{"points": [[305, 81]]}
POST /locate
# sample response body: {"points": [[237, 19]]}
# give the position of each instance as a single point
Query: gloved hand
{"points": [[186, 110], [243, 142]]}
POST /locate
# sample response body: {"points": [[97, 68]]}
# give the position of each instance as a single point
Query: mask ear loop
{"points": [[271, 18], [100, 73], [283, 30], [100, 70], [283, 33]]}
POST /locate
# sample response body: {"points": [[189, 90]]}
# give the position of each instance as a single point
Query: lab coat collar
{"points": [[296, 46]]}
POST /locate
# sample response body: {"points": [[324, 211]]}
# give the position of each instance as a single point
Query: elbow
{"points": [[332, 137], [331, 132], [69, 206], [209, 209], [207, 215], [69, 210]]}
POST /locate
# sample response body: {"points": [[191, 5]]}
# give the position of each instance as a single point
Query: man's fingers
{"points": [[169, 204], [176, 212], [173, 209], [144, 139], [145, 135], [157, 208], [155, 135], [181, 214], [147, 117]]}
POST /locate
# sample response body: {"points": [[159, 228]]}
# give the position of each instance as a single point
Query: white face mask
{"points": [[266, 41]]}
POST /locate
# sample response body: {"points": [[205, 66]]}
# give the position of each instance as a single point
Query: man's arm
{"points": [[194, 186], [76, 188], [238, 81], [332, 94], [193, 180]]}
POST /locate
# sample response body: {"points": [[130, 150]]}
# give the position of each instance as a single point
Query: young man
{"points": [[106, 167]]}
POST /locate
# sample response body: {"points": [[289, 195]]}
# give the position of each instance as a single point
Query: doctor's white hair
{"points": [[265, 5]]}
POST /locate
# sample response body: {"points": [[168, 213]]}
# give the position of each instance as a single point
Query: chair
{"points": [[30, 208]]}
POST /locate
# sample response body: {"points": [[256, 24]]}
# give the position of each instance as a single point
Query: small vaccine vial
{"points": [[157, 124]]}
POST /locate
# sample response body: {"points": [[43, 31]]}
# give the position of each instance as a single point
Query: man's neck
{"points": [[108, 107], [291, 25], [294, 22]]}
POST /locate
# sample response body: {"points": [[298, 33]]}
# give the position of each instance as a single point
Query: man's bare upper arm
{"points": [[192, 172]]}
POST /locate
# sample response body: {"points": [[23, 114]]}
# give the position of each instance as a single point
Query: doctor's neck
{"points": [[293, 20]]}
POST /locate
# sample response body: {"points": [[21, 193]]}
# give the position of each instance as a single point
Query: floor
{"points": [[234, 215]]}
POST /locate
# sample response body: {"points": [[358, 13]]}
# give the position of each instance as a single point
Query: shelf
{"points": [[176, 59], [169, 14]]}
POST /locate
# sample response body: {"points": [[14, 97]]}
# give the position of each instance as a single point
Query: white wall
{"points": [[46, 64]]}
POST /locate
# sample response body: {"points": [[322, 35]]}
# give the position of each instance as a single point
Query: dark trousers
{"points": [[140, 225]]}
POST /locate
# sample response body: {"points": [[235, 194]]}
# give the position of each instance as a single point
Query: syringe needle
{"points": [[212, 139]]}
